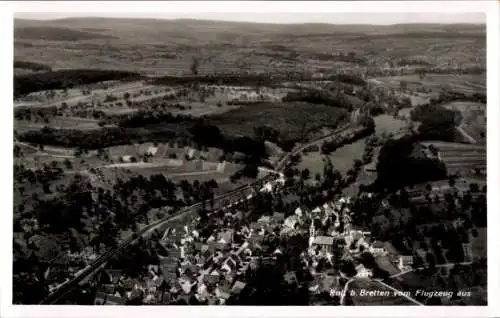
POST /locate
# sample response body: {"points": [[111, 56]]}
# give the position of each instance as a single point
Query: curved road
{"points": [[88, 271]]}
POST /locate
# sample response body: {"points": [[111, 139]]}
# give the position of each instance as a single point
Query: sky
{"points": [[333, 18], [256, 11]]}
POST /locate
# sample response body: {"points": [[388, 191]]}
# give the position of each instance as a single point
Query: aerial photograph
{"points": [[180, 160]]}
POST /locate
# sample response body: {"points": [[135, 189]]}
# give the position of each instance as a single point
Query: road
{"points": [[86, 98], [344, 292], [423, 267], [401, 293], [65, 288], [466, 135]]}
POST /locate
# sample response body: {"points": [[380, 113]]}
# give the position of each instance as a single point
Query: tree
{"points": [[194, 66], [305, 174], [17, 151], [357, 163]]}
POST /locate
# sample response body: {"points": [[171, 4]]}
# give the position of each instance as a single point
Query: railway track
{"points": [[88, 271]]}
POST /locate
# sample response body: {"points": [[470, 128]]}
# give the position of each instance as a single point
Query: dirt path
{"points": [[466, 135]]}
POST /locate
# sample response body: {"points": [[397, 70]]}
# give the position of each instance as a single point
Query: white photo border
{"points": [[490, 8]]}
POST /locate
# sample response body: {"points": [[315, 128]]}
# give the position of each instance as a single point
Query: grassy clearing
{"points": [[342, 158], [388, 124], [467, 83]]}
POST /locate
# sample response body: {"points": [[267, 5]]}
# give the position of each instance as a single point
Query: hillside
{"points": [[167, 47]]}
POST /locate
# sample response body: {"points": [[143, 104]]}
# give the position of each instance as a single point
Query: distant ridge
{"points": [[248, 28], [204, 21], [52, 33]]}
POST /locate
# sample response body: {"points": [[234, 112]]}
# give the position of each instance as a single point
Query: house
{"points": [[225, 237], [238, 287], [324, 242], [129, 284], [104, 299], [377, 248], [290, 278], [255, 240], [265, 219], [291, 222], [111, 275], [255, 226], [222, 293], [211, 279], [363, 272], [278, 217], [216, 246], [298, 212], [354, 236], [190, 153], [169, 274], [202, 292], [186, 284], [126, 158], [405, 262], [152, 151], [230, 264], [467, 252]]}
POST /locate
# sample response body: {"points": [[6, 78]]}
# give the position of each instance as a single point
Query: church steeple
{"points": [[312, 230]]}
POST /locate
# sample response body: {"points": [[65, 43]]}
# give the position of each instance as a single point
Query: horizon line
{"points": [[240, 21]]}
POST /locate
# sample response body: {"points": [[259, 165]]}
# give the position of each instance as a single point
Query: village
{"points": [[213, 268]]}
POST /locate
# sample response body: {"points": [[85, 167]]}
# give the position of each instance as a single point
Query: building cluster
{"points": [[333, 239], [213, 268], [198, 270]]}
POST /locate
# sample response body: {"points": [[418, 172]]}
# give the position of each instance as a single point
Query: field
{"points": [[342, 158], [58, 123], [388, 124], [461, 158], [467, 84], [473, 120], [167, 47]]}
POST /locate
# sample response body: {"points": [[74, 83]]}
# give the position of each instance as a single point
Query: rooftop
{"points": [[323, 240]]}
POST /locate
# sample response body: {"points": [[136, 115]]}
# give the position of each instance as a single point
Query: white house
{"points": [[298, 212], [405, 262], [467, 251], [377, 248], [291, 221], [152, 151], [363, 272], [324, 242]]}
